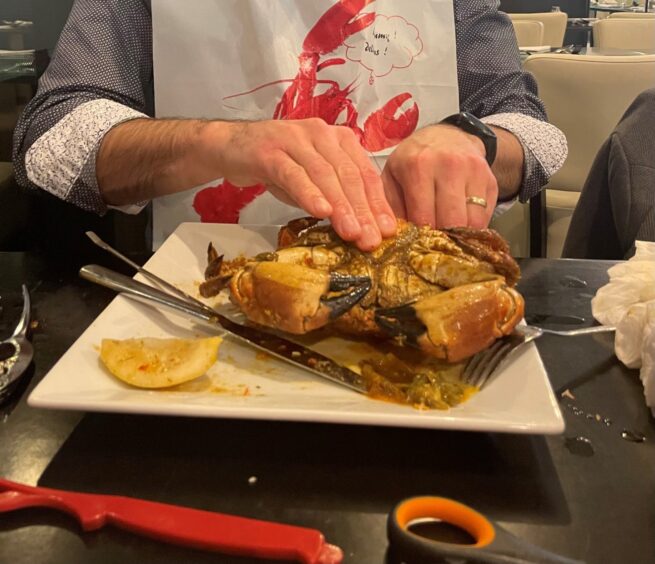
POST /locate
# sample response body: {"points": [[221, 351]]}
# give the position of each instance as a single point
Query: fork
{"points": [[482, 365]]}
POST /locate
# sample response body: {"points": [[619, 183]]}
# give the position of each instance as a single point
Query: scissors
{"points": [[483, 540]]}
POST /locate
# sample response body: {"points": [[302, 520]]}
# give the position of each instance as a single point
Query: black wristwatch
{"points": [[471, 124]]}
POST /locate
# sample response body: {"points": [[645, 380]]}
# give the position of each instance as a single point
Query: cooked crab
{"points": [[449, 292]]}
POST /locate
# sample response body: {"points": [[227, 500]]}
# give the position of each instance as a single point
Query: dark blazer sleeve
{"points": [[617, 203]]}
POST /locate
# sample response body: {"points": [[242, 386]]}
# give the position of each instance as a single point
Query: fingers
{"points": [[290, 177], [479, 216], [341, 181], [451, 175], [321, 168], [394, 192], [335, 164], [433, 186], [373, 187], [483, 185], [415, 175], [323, 175]]}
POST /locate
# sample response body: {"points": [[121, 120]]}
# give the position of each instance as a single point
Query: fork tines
{"points": [[483, 364]]}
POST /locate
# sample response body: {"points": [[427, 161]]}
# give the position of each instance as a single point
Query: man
{"points": [[87, 137]]}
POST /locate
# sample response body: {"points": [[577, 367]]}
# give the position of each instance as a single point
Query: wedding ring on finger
{"points": [[476, 201]]}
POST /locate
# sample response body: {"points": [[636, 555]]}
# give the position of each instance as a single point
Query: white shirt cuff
{"points": [[546, 143], [66, 153]]}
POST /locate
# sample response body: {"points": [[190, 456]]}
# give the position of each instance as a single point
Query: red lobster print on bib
{"points": [[382, 129]]}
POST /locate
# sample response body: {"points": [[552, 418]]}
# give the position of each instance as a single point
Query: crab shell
{"points": [[446, 292]]}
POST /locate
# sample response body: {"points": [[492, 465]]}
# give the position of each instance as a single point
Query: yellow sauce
{"points": [[420, 381]]}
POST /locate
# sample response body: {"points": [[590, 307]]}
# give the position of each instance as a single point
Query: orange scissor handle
{"points": [[491, 544], [449, 511]]}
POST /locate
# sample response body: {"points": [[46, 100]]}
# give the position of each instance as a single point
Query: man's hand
{"points": [[321, 168], [318, 167], [431, 173]]}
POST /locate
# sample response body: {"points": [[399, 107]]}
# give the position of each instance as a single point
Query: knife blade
{"points": [[273, 344]]}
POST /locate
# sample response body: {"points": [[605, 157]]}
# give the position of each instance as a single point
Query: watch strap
{"points": [[470, 124]]}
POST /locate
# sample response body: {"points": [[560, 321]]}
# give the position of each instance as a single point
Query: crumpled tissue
{"points": [[628, 303]]}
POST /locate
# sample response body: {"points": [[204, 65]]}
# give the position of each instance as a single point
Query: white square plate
{"points": [[243, 384]]}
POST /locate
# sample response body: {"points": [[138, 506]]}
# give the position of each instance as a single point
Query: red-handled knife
{"points": [[184, 526]]}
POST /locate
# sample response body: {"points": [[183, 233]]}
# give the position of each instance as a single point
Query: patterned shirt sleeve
{"points": [[100, 75], [494, 87]]}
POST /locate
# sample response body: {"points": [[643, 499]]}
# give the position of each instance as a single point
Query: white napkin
{"points": [[628, 303]]}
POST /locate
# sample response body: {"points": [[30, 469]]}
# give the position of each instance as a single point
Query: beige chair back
{"points": [[528, 32], [626, 33], [554, 25], [632, 15], [585, 96]]}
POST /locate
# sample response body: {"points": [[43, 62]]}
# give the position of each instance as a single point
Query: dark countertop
{"points": [[594, 503]]}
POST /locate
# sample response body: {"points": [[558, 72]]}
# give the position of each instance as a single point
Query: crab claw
{"points": [[388, 126], [293, 297], [458, 323], [355, 287]]}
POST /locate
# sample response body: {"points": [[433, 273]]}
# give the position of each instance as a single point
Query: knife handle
{"points": [[184, 526], [143, 292]]}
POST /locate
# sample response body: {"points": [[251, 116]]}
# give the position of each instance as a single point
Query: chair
{"points": [[632, 16], [554, 25], [528, 32], [585, 96], [625, 33]]}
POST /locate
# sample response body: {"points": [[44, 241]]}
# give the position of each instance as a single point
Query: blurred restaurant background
{"points": [[590, 59]]}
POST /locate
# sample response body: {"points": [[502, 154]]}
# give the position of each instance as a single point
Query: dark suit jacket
{"points": [[617, 203]]}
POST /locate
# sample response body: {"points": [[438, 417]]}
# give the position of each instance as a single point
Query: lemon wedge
{"points": [[158, 363]]}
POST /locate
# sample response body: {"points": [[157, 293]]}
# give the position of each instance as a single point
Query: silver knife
{"points": [[275, 345]]}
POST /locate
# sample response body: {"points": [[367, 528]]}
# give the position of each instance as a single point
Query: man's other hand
{"points": [[429, 176]]}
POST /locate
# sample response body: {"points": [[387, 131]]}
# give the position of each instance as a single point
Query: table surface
{"points": [[605, 8], [591, 501]]}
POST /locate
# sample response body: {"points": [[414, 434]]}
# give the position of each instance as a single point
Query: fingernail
{"points": [[322, 207], [350, 226], [370, 238], [387, 224]]}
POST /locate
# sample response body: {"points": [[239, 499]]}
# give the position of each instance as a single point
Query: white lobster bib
{"points": [[384, 68]]}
